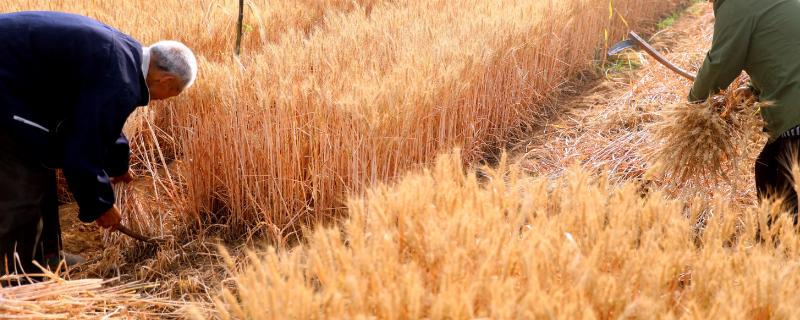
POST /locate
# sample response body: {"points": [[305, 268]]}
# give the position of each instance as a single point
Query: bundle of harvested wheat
{"points": [[702, 143], [57, 298]]}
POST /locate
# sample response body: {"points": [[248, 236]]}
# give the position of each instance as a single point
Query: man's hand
{"points": [[126, 178], [110, 219], [743, 92]]}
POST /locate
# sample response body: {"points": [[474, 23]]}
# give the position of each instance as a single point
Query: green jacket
{"points": [[761, 37]]}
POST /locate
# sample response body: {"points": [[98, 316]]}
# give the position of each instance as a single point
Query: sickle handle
{"points": [[128, 232], [653, 53]]}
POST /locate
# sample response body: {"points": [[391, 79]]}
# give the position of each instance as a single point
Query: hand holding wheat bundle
{"points": [[703, 142]]}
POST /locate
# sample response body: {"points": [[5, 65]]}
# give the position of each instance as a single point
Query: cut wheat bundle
{"points": [[703, 144]]}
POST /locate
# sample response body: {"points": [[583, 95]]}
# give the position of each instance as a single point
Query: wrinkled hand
{"points": [[110, 219], [125, 178], [719, 101], [743, 92]]}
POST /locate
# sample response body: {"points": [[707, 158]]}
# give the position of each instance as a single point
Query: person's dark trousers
{"points": [[29, 223], [773, 172]]}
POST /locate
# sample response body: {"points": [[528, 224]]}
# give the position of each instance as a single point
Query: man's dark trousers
{"points": [[773, 172], [29, 222]]}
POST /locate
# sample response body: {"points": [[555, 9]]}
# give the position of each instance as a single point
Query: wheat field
{"points": [[444, 244], [331, 96], [324, 140]]}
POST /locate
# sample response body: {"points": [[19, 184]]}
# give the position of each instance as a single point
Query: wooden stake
{"points": [[239, 28]]}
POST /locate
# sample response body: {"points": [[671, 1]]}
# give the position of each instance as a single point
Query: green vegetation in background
{"points": [[672, 18], [627, 63], [668, 21]]}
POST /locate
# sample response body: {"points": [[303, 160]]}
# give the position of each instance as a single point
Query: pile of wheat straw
{"points": [[57, 298]]}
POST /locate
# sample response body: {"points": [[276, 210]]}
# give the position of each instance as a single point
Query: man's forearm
{"points": [[118, 157]]}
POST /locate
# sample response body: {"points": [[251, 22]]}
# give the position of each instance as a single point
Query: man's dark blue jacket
{"points": [[67, 85]]}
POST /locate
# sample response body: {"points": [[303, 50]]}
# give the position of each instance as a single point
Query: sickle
{"points": [[128, 232]]}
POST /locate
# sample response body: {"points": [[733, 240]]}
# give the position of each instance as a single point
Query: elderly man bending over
{"points": [[67, 85]]}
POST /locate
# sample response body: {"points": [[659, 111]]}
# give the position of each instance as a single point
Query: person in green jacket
{"points": [[761, 38]]}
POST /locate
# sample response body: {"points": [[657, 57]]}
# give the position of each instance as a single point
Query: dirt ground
{"points": [[85, 239]]}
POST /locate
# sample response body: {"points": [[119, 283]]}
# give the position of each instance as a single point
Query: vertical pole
{"points": [[239, 28]]}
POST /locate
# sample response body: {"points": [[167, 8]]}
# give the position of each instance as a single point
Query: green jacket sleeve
{"points": [[726, 59]]}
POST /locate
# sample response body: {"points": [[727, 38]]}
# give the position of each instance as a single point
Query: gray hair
{"points": [[175, 58]]}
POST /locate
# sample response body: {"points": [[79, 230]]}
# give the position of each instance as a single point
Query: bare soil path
{"points": [[78, 237]]}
